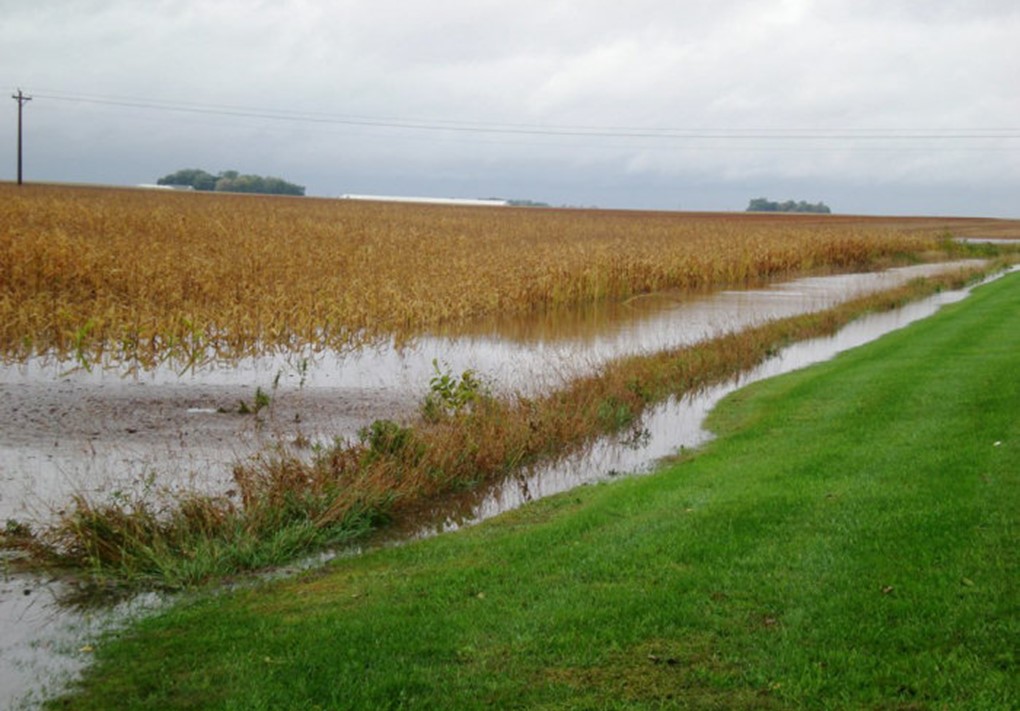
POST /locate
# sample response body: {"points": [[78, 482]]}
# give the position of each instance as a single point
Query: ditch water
{"points": [[98, 432], [666, 430]]}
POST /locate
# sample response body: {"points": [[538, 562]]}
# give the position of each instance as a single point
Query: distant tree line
{"points": [[766, 205], [527, 203], [230, 181]]}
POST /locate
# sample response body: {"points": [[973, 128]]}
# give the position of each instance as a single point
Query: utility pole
{"points": [[22, 100]]}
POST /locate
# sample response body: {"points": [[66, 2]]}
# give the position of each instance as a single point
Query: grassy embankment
{"points": [[849, 541]]}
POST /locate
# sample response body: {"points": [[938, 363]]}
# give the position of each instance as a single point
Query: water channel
{"points": [[96, 431]]}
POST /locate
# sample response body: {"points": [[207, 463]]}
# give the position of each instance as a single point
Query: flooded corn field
{"points": [[67, 430]]}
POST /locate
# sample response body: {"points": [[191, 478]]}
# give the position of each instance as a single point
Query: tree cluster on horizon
{"points": [[766, 205], [230, 181]]}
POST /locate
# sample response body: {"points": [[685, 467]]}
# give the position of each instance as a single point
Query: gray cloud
{"points": [[784, 69]]}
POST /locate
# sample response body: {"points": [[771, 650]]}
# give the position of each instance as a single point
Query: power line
{"points": [[442, 125], [289, 114]]}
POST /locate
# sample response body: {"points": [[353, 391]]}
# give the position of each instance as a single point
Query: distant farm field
{"points": [[140, 276]]}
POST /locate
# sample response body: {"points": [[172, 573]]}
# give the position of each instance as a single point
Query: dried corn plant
{"points": [[139, 277]]}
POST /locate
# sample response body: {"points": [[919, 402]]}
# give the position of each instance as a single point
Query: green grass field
{"points": [[849, 541]]}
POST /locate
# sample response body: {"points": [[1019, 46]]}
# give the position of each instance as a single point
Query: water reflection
{"points": [[665, 430], [46, 641], [512, 351]]}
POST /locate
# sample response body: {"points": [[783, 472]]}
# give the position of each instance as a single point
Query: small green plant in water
{"points": [[387, 439], [191, 344], [17, 529], [260, 402], [615, 415], [450, 395], [79, 341]]}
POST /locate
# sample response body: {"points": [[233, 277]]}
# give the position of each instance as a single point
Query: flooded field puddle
{"points": [[97, 431], [45, 641], [65, 431]]}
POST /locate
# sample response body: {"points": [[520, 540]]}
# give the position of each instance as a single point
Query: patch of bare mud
{"points": [[72, 436]]}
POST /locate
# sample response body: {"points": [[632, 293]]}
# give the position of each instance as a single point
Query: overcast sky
{"points": [[872, 106]]}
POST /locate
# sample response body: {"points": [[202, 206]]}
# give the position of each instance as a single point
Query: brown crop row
{"points": [[141, 276]]}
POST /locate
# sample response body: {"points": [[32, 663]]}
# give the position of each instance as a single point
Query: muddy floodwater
{"points": [[66, 430]]}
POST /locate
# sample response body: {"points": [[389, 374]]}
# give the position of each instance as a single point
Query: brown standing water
{"points": [[66, 430]]}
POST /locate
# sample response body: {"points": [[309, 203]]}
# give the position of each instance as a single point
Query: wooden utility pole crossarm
{"points": [[22, 100]]}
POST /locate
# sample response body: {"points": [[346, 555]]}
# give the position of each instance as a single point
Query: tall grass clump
{"points": [[284, 505], [277, 512], [139, 277]]}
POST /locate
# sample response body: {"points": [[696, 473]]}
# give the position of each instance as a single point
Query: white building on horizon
{"points": [[490, 202]]}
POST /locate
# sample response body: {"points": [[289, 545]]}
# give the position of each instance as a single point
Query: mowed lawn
{"points": [[849, 541]]}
